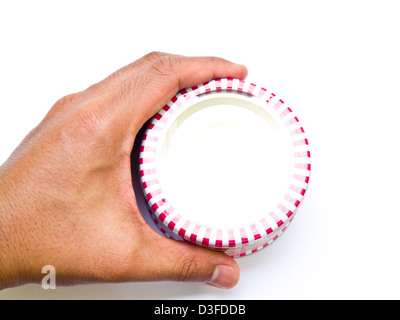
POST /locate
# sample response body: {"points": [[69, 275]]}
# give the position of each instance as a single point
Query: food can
{"points": [[224, 165]]}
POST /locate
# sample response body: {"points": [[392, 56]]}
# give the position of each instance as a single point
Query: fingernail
{"points": [[223, 277]]}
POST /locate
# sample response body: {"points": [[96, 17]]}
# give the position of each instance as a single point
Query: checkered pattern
{"points": [[249, 238]]}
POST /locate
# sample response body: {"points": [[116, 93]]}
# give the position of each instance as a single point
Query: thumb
{"points": [[183, 261]]}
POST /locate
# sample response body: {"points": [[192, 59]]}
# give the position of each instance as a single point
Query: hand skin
{"points": [[66, 195]]}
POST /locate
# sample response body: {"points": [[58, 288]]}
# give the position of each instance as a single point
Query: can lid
{"points": [[267, 143]]}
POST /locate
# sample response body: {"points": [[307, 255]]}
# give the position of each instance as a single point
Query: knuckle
{"points": [[154, 55], [63, 104], [66, 100], [165, 65], [60, 109], [187, 267]]}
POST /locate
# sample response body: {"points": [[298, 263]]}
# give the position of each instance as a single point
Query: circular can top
{"points": [[224, 165]]}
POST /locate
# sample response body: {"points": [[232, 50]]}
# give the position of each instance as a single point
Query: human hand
{"points": [[66, 195]]}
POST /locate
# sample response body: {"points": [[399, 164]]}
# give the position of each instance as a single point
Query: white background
{"points": [[335, 62]]}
